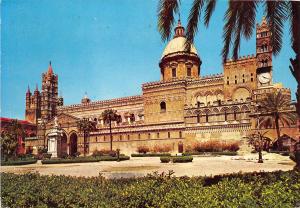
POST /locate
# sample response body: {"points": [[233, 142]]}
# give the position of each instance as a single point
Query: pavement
{"points": [[141, 166]]}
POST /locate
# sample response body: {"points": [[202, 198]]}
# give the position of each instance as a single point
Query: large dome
{"points": [[177, 45]]}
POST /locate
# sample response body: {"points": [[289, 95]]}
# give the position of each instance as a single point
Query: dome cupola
{"points": [[176, 61]]}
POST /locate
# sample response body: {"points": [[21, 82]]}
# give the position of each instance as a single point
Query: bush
{"points": [[210, 153], [182, 159], [97, 153], [72, 160], [151, 155], [176, 159], [264, 189], [161, 148], [165, 159], [214, 146], [110, 158], [65, 155], [46, 156], [19, 162], [143, 149]]}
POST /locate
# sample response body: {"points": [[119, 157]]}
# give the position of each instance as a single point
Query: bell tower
{"points": [[263, 53], [49, 95]]}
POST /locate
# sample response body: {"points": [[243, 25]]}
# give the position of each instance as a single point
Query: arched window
{"points": [[180, 134], [198, 104], [189, 72], [225, 115], [206, 117], [169, 134], [163, 106], [234, 115], [149, 136], [198, 118], [173, 72]]}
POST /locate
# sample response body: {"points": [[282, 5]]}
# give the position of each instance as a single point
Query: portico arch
{"points": [[73, 143]]}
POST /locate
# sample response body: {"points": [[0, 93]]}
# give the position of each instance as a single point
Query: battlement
{"points": [[241, 58], [100, 103]]}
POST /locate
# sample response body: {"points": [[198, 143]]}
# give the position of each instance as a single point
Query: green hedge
{"points": [[275, 189], [19, 162], [182, 159], [210, 153], [176, 159], [165, 159], [84, 159], [150, 155], [73, 160], [109, 158]]}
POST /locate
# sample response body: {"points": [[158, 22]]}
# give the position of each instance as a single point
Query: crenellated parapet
{"points": [[104, 103], [241, 59]]}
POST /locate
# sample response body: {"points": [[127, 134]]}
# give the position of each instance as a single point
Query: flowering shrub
{"points": [[215, 146], [143, 149], [161, 148]]}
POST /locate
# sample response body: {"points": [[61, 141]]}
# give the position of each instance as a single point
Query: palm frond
{"points": [[229, 27], [210, 7], [193, 19], [166, 10], [294, 16], [276, 12], [245, 20]]}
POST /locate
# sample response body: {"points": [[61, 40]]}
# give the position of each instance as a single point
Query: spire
{"points": [[36, 87], [28, 90], [50, 70], [179, 29]]}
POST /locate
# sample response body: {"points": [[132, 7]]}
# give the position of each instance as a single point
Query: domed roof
{"points": [[176, 45]]}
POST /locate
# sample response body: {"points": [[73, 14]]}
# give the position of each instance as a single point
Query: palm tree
{"points": [[239, 22], [258, 141], [276, 108], [86, 126], [108, 116]]}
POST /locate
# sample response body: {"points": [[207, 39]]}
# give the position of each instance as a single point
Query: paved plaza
{"points": [[141, 166]]}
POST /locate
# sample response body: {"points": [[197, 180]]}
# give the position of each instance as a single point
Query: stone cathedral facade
{"points": [[182, 106]]}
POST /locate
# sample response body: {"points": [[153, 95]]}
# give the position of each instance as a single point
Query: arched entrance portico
{"points": [[73, 143], [64, 145]]}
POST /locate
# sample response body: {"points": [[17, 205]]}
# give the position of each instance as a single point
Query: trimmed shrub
{"points": [[143, 149], [182, 159], [19, 162], [73, 160], [161, 148], [210, 153], [151, 155], [110, 158], [215, 146], [165, 159]]}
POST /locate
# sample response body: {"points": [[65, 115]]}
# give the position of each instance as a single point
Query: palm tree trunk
{"points": [[84, 143], [295, 63], [110, 133], [277, 126], [260, 160]]}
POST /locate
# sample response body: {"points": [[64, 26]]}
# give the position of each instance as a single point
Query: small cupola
{"points": [[85, 99]]}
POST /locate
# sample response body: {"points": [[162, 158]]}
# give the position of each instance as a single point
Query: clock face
{"points": [[264, 78]]}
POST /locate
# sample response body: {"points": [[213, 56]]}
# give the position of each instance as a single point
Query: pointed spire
{"points": [[36, 87], [179, 29], [28, 90], [50, 70]]}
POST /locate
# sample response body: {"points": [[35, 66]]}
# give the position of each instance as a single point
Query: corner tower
{"points": [[49, 96], [176, 61]]}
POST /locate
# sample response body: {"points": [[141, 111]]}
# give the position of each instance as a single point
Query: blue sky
{"points": [[107, 48]]}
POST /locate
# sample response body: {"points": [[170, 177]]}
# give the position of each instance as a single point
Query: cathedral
{"points": [[182, 107]]}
